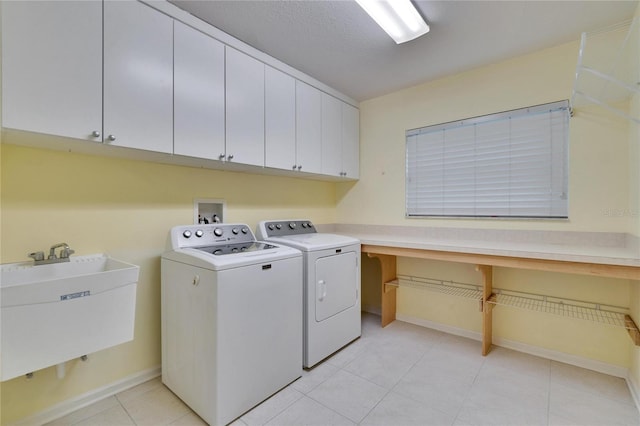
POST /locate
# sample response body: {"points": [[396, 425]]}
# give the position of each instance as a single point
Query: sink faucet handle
{"points": [[37, 256], [66, 252]]}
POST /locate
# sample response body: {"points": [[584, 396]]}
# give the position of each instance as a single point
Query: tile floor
{"points": [[404, 375]]}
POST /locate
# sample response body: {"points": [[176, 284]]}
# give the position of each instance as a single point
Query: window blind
{"points": [[509, 164]]}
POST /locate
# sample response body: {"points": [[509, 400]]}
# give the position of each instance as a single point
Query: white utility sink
{"points": [[56, 312]]}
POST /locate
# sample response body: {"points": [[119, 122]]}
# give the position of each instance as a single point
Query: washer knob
{"points": [[199, 233], [292, 225], [309, 225], [245, 230], [235, 231], [186, 234], [270, 226], [278, 226], [218, 232], [304, 225]]}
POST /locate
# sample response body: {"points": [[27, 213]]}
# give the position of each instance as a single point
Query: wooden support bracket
{"points": [[487, 308], [632, 328], [387, 274]]}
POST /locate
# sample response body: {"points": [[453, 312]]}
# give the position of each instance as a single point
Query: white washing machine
{"points": [[331, 305], [231, 314]]}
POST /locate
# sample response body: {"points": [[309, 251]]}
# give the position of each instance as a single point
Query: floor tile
{"points": [[86, 412], [348, 353], [155, 407], [312, 378], [349, 395], [385, 365], [573, 406], [113, 416], [140, 389], [270, 408], [520, 362], [512, 383], [599, 384], [307, 412], [504, 416], [189, 419], [502, 396], [396, 409], [441, 380]]}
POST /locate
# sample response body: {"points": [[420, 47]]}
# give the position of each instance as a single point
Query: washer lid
{"points": [[208, 260], [316, 241]]}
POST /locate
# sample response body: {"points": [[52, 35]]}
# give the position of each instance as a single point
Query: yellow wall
{"points": [[599, 184], [124, 208], [598, 146]]}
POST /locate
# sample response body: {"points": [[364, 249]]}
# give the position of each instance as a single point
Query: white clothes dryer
{"points": [[331, 265], [231, 314]]}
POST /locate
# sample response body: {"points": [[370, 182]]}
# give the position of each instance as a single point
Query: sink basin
{"points": [[22, 283], [56, 312]]}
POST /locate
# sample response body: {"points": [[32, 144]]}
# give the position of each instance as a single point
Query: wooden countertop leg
{"points": [[487, 308], [387, 273]]}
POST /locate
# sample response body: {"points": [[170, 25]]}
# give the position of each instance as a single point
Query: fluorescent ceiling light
{"points": [[399, 18]]}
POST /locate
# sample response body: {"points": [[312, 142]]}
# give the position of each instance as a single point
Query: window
{"points": [[509, 164]]}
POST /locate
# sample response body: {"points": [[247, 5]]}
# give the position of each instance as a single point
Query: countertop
{"points": [[566, 246]]}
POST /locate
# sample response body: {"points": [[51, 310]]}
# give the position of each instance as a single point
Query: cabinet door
{"points": [[331, 136], [245, 108], [52, 67], [138, 77], [308, 128], [280, 120], [350, 141], [198, 94]]}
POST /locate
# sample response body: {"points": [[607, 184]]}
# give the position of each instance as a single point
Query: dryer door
{"points": [[335, 284]]}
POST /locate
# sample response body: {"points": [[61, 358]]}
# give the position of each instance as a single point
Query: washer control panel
{"points": [[278, 228], [209, 235]]}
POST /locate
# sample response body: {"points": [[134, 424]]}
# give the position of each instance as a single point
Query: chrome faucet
{"points": [[38, 257]]}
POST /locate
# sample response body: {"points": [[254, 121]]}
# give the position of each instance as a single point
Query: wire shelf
{"points": [[612, 315], [452, 288], [604, 314]]}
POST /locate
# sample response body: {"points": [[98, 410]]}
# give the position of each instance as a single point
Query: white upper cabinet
{"points": [[350, 141], [198, 94], [127, 74], [340, 138], [52, 67], [280, 120], [308, 128], [245, 108], [331, 135], [138, 77]]}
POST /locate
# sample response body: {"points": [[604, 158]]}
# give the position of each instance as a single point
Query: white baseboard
{"points": [[590, 364], [634, 387], [65, 407]]}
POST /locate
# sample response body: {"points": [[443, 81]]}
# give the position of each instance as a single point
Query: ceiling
{"points": [[336, 42]]}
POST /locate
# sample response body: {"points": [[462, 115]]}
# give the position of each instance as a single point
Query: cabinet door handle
{"points": [[230, 157], [221, 157], [95, 134], [111, 138], [299, 167], [295, 166]]}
